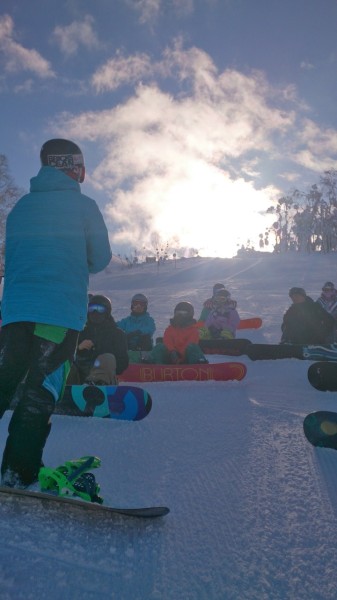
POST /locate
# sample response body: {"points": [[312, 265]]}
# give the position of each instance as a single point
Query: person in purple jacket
{"points": [[223, 319], [55, 237]]}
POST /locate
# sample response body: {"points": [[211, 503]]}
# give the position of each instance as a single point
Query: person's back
{"points": [[55, 237]]}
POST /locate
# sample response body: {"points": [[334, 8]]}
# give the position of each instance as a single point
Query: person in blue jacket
{"points": [[55, 237], [139, 326]]}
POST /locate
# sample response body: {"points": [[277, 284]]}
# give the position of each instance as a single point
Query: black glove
{"points": [[214, 331], [174, 357], [133, 334], [145, 342], [133, 339]]}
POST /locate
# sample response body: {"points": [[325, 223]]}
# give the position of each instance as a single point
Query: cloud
{"points": [[17, 57], [318, 147], [122, 70], [148, 10], [78, 33], [307, 66], [188, 164]]}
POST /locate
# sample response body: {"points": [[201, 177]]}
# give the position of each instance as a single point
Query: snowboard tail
{"points": [[251, 323], [196, 372], [302, 352], [120, 402], [274, 351], [323, 352], [323, 376], [320, 429], [101, 510]]}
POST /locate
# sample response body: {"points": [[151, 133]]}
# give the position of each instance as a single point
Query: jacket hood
{"points": [[49, 179]]}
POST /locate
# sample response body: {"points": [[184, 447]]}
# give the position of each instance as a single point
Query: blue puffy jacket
{"points": [[143, 323], [55, 237]]}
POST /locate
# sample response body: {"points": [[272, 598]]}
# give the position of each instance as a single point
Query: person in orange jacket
{"points": [[180, 343]]}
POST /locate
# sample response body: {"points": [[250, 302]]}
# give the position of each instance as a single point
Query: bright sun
{"points": [[212, 213]]}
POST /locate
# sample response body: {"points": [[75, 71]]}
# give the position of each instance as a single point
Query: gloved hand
{"points": [[133, 339], [174, 357], [214, 331], [145, 341], [133, 334]]}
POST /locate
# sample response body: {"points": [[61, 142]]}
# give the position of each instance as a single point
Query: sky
{"points": [[194, 116]]}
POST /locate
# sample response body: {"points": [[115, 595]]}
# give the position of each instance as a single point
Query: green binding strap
{"points": [[60, 481]]}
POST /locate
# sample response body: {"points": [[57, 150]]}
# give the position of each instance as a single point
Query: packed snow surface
{"points": [[253, 504]]}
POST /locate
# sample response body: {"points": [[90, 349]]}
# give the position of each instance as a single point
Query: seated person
{"points": [[305, 321], [181, 340], [223, 319], [102, 347], [209, 303], [328, 299], [139, 326]]}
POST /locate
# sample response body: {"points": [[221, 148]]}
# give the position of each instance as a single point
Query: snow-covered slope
{"points": [[253, 505]]}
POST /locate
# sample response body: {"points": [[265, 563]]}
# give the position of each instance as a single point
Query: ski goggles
{"points": [[97, 308], [328, 289]]}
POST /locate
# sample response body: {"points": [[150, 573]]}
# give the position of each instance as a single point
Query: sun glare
{"points": [[213, 214]]}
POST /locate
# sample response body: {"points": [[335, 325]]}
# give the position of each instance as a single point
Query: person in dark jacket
{"points": [[305, 321], [102, 351]]}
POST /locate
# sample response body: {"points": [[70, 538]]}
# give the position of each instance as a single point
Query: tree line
{"points": [[305, 221]]}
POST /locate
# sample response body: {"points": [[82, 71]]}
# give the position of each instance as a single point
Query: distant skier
{"points": [[306, 322], [55, 237], [102, 347], [139, 326], [181, 339]]}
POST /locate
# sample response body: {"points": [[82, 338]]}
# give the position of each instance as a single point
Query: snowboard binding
{"points": [[72, 479]]}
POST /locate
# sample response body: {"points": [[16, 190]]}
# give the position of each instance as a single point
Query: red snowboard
{"points": [[215, 371], [252, 323]]}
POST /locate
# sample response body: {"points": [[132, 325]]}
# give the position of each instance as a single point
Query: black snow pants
{"points": [[24, 356]]}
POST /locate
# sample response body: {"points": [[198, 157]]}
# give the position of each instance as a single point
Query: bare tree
{"points": [[9, 194]]}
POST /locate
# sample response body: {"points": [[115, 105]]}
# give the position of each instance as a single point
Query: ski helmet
{"points": [[99, 300], [328, 286], [222, 295], [64, 155], [185, 307], [139, 299], [217, 287]]}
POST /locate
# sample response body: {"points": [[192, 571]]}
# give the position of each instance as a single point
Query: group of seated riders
{"points": [[106, 347]]}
